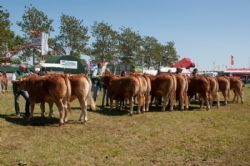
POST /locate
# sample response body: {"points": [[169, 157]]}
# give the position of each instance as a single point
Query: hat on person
{"points": [[22, 66]]}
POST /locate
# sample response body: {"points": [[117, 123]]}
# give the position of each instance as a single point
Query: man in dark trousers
{"points": [[17, 92]]}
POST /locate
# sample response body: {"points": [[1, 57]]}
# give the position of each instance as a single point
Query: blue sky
{"points": [[207, 31]]}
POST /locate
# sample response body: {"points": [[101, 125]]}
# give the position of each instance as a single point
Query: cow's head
{"points": [[21, 83]]}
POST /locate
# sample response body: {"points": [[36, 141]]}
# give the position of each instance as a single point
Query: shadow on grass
{"points": [[35, 121], [125, 111], [114, 112], [75, 108]]}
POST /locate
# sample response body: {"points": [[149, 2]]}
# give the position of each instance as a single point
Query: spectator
{"points": [[178, 70], [17, 92], [96, 80], [123, 73], [195, 72]]}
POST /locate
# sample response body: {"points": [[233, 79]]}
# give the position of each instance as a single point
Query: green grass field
{"points": [[194, 137]]}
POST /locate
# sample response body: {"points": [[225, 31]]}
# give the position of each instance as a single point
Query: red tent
{"points": [[184, 63]]}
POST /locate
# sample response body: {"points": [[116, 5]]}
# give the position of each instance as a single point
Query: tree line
{"points": [[124, 46]]}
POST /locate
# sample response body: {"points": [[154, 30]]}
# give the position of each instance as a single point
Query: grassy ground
{"points": [[195, 137]]}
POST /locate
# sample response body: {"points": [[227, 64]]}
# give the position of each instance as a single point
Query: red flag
{"points": [[232, 60]]}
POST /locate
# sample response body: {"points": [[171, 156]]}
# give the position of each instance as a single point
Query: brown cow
{"points": [[214, 89], [52, 89], [144, 92], [122, 88], [199, 85], [164, 85], [181, 91], [81, 86], [147, 93], [3, 82], [224, 87], [237, 86]]}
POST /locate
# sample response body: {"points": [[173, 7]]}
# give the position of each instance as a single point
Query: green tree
{"points": [[152, 51], [33, 23], [5, 32], [129, 46], [170, 54], [56, 46], [105, 44], [73, 35], [34, 20], [9, 42]]}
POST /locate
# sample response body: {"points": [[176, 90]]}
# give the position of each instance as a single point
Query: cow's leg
{"points": [[207, 102], [217, 99], [224, 93], [211, 99], [146, 102], [81, 113], [65, 106], [165, 102], [139, 101], [42, 107], [239, 95], [234, 96], [171, 100], [59, 105], [143, 103], [131, 104], [135, 100], [186, 101], [201, 102], [151, 101], [84, 115], [50, 109], [181, 100], [147, 99], [85, 112], [111, 103], [104, 96], [32, 106], [117, 107]]}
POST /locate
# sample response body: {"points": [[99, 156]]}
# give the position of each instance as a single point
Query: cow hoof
{"points": [[130, 114], [50, 116]]}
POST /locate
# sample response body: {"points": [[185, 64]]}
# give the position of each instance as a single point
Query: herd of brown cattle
{"points": [[61, 89], [171, 87]]}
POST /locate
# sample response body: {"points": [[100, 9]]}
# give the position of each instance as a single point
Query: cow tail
{"points": [[92, 102], [174, 89], [228, 89], [68, 93]]}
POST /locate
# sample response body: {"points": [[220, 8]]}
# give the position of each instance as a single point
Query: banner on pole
{"points": [[232, 60], [44, 44]]}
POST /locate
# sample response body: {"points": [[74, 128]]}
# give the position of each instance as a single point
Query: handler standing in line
{"points": [[17, 92]]}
